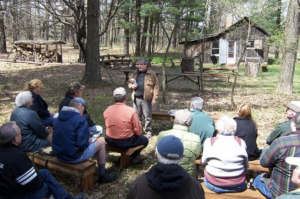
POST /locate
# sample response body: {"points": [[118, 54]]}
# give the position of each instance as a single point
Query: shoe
{"points": [[137, 160], [80, 196], [108, 177]]}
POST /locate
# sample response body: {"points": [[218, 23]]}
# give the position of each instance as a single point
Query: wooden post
{"points": [[61, 52], [252, 69], [56, 53]]}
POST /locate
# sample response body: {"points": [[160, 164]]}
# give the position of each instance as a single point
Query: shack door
{"points": [[231, 57]]}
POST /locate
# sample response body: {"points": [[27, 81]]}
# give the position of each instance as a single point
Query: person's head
{"points": [[142, 64], [292, 109], [24, 99], [10, 133], [183, 117], [119, 95], [169, 150], [296, 173], [79, 104], [244, 110], [226, 125], [295, 125], [75, 89], [34, 85], [196, 103]]}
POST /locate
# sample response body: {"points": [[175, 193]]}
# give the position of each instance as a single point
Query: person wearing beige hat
{"points": [[285, 127], [191, 141]]}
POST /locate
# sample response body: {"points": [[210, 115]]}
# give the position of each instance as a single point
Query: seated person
{"points": [[34, 133], [39, 105], [225, 158], [75, 90], [285, 127], [18, 178], [295, 161], [123, 128], [278, 181], [202, 124], [192, 149], [246, 129], [71, 141], [166, 179]]}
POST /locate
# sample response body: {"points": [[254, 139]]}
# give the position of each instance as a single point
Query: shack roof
{"points": [[40, 42], [227, 30]]}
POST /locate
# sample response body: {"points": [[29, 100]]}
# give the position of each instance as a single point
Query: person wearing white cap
{"points": [[285, 127], [278, 182], [166, 179], [191, 141], [295, 161], [123, 128]]}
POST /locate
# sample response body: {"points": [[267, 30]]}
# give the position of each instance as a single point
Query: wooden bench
{"points": [[253, 165], [247, 194], [84, 170], [217, 75], [172, 60], [125, 153]]}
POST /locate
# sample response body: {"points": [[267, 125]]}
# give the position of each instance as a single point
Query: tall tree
{"points": [[2, 28], [278, 22], [285, 80], [138, 4]]}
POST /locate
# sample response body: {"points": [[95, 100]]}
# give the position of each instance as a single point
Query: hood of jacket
{"points": [[167, 177], [67, 112]]}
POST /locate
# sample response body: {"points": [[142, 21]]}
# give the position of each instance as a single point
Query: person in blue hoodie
{"points": [[71, 141]]}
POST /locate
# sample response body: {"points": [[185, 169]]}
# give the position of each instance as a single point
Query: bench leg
{"points": [[125, 161], [87, 182]]}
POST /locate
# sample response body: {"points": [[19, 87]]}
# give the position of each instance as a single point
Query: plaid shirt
{"points": [[274, 158]]}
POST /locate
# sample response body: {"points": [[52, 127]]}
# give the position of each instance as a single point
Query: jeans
{"points": [[87, 154], [134, 141], [216, 189], [144, 107], [262, 187], [50, 185]]}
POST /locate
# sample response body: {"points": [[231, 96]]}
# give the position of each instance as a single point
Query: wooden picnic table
{"points": [[127, 71], [185, 75]]}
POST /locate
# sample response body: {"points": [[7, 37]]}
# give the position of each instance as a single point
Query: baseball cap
{"points": [[294, 106], [170, 147], [79, 100], [183, 117], [119, 92]]}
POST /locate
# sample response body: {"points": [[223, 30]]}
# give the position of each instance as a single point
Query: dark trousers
{"points": [[134, 141]]}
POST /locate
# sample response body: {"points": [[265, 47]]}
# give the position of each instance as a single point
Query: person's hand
{"points": [[52, 114], [153, 102]]}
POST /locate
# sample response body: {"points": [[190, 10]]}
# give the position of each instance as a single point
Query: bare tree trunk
{"points": [[92, 74], [285, 80], [278, 22], [151, 37], [144, 38], [15, 14], [138, 27], [81, 32], [126, 34], [2, 29], [29, 28]]}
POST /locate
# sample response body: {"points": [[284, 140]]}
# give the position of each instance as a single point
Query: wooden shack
{"points": [[38, 50], [226, 46]]}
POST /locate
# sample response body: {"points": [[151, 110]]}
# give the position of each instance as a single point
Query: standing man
{"points": [[18, 178], [145, 86]]}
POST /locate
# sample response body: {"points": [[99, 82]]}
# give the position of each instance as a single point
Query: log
{"points": [[187, 64], [252, 69]]}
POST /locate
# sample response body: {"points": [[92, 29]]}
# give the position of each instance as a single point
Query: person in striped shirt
{"points": [[18, 178]]}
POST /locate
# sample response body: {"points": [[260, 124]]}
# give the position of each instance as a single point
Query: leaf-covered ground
{"points": [[267, 106]]}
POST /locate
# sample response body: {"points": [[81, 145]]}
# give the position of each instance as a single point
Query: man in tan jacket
{"points": [[145, 86]]}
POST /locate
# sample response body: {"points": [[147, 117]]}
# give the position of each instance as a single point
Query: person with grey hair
{"points": [[202, 124], [145, 86], [34, 133], [123, 130], [71, 141], [18, 178], [192, 150], [166, 179], [226, 159]]}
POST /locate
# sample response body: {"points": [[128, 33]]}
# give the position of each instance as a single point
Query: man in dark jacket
{"points": [[166, 179], [18, 178], [75, 90], [71, 141]]}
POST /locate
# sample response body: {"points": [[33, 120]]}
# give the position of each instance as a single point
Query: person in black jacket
{"points": [[75, 90], [18, 178], [247, 130], [39, 105]]}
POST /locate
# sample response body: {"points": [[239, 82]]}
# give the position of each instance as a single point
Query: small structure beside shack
{"points": [[37, 50]]}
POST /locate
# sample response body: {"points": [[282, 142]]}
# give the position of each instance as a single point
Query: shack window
{"points": [[250, 44], [215, 48]]}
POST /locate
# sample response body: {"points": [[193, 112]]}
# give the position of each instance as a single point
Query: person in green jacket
{"points": [[202, 124], [191, 142], [295, 161], [285, 127]]}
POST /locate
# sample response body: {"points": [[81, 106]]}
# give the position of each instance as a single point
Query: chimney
{"points": [[229, 19]]}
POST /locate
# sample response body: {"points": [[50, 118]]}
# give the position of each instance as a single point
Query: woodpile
{"points": [[24, 53]]}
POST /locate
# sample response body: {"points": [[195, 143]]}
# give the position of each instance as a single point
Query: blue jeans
{"points": [[50, 185], [87, 154], [216, 189], [262, 187], [134, 141]]}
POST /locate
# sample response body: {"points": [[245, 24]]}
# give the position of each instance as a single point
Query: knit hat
{"points": [[183, 117], [170, 147], [294, 106], [79, 100], [293, 161], [119, 92]]}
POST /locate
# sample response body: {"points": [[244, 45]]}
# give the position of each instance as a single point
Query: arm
{"points": [[155, 89], [130, 85], [206, 149], [246, 162], [36, 125], [268, 157], [136, 124], [83, 134], [279, 131]]}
